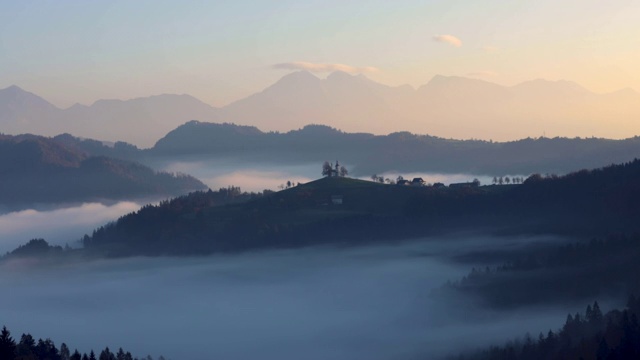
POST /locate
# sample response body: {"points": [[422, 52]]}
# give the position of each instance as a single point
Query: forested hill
{"points": [[401, 151], [585, 203], [36, 169], [589, 335], [367, 153]]}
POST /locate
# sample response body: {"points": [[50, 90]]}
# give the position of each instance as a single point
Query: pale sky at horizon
{"points": [[69, 51]]}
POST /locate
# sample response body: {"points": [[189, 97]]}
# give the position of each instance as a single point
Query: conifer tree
{"points": [[7, 344]]}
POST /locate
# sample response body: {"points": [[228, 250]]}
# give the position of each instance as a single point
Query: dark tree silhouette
{"points": [[46, 349], [7, 344], [326, 169], [615, 335], [65, 354], [26, 347], [106, 354]]}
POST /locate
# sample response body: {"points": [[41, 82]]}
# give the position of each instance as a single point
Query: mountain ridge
{"points": [[446, 106], [399, 152], [39, 170]]}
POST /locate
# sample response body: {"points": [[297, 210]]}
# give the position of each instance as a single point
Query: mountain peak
{"points": [[16, 95], [338, 75], [342, 77], [13, 88], [294, 81], [302, 75]]}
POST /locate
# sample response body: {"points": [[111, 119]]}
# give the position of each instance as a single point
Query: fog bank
{"points": [[314, 303], [250, 176], [58, 226]]}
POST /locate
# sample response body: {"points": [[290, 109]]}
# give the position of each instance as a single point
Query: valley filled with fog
{"points": [[372, 302], [316, 303], [59, 225], [391, 300]]}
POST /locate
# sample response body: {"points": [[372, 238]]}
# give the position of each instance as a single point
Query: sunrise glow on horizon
{"points": [[72, 52]]}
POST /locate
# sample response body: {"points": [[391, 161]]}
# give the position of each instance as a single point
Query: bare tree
{"points": [[343, 171]]}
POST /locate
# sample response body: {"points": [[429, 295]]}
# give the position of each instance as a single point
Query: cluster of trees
{"points": [[289, 184], [587, 336], [157, 229], [569, 272], [37, 247], [381, 179], [500, 180], [329, 170], [27, 348]]}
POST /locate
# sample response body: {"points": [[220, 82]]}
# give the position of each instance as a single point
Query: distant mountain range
{"points": [[140, 121], [447, 106], [39, 170]]}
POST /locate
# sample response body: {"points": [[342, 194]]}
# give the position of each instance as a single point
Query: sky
{"points": [[221, 51]]}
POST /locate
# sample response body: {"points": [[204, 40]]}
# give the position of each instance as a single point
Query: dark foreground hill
{"points": [[342, 210], [588, 335], [36, 169]]}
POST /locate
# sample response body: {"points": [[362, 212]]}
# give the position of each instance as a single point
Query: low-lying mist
{"points": [[315, 303], [251, 176], [58, 226], [248, 176]]}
